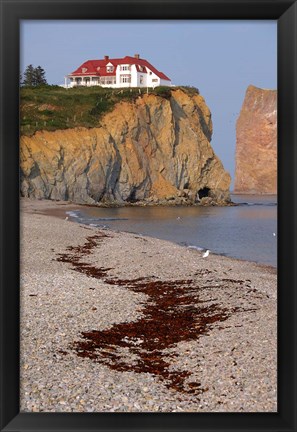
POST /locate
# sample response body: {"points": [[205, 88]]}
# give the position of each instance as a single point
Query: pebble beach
{"points": [[118, 322]]}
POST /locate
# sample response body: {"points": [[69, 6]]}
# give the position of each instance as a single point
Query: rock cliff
{"points": [[256, 143], [153, 149]]}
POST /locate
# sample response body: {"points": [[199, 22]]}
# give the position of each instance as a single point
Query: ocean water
{"points": [[247, 231]]}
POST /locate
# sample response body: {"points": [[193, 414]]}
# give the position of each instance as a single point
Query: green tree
{"points": [[29, 74], [40, 76], [34, 76]]}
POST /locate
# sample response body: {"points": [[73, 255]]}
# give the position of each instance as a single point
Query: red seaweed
{"points": [[172, 314]]}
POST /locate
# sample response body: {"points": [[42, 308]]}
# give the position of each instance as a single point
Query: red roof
{"points": [[98, 67]]}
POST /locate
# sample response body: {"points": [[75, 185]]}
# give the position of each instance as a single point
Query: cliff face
{"points": [[153, 149], [256, 143]]}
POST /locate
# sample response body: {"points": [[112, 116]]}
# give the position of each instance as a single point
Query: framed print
{"points": [[148, 215]]}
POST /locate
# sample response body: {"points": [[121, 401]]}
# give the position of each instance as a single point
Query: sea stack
{"points": [[256, 143]]}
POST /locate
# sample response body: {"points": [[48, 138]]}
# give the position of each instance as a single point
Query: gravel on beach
{"points": [[94, 304]]}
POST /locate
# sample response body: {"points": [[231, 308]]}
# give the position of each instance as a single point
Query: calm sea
{"points": [[247, 231]]}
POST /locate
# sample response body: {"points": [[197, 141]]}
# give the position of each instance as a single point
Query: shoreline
{"points": [[59, 209], [90, 299], [268, 194]]}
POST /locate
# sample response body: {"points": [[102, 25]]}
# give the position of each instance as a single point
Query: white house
{"points": [[123, 72]]}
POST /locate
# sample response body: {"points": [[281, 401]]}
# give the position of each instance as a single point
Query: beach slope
{"points": [[114, 321]]}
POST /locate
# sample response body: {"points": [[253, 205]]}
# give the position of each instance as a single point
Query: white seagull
{"points": [[205, 255]]}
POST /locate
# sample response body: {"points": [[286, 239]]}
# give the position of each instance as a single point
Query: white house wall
{"points": [[119, 74], [144, 79], [134, 78], [153, 80], [164, 82]]}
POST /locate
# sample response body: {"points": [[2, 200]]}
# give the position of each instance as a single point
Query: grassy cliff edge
{"points": [[55, 108]]}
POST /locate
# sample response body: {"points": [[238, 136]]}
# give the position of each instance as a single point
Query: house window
{"points": [[125, 68], [155, 80], [141, 79], [110, 80], [125, 78], [84, 70], [109, 69]]}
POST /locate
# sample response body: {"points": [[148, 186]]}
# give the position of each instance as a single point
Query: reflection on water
{"points": [[245, 231]]}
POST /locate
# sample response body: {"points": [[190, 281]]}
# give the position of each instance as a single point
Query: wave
{"points": [[88, 221], [72, 214], [196, 247], [257, 204]]}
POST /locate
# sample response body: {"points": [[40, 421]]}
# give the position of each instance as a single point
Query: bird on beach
{"points": [[205, 255], [66, 218]]}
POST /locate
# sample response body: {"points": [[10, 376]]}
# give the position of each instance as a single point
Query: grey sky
{"points": [[221, 58]]}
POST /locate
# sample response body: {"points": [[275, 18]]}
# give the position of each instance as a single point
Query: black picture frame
{"points": [[285, 12]]}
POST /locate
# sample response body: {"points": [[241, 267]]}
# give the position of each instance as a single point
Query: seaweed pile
{"points": [[175, 311]]}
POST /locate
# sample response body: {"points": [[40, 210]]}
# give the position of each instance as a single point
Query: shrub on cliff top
{"points": [[163, 91], [190, 90]]}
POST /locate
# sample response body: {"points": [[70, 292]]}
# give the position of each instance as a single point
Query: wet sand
{"points": [[114, 321]]}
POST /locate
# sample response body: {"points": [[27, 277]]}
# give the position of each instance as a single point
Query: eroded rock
{"points": [[256, 143], [152, 150]]}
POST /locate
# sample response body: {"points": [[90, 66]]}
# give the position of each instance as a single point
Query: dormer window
{"points": [[84, 69], [98, 68], [109, 67]]}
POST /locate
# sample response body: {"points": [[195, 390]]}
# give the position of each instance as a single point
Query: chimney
{"points": [[136, 56], [106, 57]]}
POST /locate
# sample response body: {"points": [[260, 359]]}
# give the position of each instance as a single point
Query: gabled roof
{"points": [[94, 67], [140, 68], [143, 62], [98, 67]]}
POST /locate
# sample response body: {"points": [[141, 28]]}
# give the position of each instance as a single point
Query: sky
{"points": [[220, 58]]}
